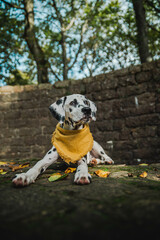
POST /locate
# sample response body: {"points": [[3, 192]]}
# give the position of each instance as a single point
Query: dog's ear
{"points": [[57, 109], [93, 110]]}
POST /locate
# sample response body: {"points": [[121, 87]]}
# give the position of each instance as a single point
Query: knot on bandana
{"points": [[72, 145]]}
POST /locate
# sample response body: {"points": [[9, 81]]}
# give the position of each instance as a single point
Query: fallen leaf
{"points": [[143, 175], [57, 176], [2, 172], [14, 168], [102, 173], [3, 163], [143, 164], [70, 170], [12, 163]]}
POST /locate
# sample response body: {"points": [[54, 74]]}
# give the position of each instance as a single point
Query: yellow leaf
{"points": [[143, 164], [102, 173], [2, 172], [57, 176], [3, 163], [14, 168], [143, 175], [70, 170]]}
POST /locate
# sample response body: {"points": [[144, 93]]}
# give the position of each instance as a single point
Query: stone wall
{"points": [[128, 118]]}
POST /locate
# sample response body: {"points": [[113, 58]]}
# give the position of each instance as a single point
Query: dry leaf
{"points": [[143, 175], [14, 168], [3, 163], [57, 176], [70, 170], [102, 173]]}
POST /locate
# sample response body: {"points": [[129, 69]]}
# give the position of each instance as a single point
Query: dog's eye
{"points": [[86, 102], [72, 103]]}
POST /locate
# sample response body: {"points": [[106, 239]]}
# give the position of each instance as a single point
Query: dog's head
{"points": [[75, 108]]}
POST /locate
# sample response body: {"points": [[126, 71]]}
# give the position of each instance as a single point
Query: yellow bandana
{"points": [[72, 145]]}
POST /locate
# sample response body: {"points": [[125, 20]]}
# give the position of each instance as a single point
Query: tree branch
{"points": [[12, 5], [84, 27], [57, 12], [151, 4], [53, 72], [69, 25]]}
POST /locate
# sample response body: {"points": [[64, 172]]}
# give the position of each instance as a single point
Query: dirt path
{"points": [[116, 207]]}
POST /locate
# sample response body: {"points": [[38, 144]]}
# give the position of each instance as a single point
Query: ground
{"points": [[120, 206]]}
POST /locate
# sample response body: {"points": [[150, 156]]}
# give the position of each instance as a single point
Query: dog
{"points": [[74, 113]]}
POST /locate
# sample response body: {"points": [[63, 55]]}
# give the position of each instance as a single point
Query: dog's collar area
{"points": [[72, 145]]}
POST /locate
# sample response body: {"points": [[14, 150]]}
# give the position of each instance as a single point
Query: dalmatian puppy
{"points": [[72, 112]]}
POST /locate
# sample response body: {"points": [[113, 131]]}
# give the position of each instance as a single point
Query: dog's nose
{"points": [[86, 110]]}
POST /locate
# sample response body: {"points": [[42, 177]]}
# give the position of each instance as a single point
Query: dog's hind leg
{"points": [[24, 179], [99, 153]]}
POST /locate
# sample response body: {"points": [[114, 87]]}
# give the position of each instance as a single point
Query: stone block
{"points": [[143, 77], [136, 89], [126, 80], [105, 125], [156, 74], [147, 119], [110, 82]]}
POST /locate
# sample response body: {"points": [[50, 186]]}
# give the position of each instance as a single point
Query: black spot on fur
{"points": [[101, 152], [66, 122], [63, 118], [70, 109], [90, 179], [70, 120], [49, 152], [55, 114], [42, 170], [65, 98], [59, 101], [75, 102]]}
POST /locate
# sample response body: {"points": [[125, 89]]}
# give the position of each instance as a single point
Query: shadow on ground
{"points": [[116, 207]]}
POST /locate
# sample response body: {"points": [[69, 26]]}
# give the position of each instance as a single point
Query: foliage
{"points": [[78, 38], [18, 77], [11, 46]]}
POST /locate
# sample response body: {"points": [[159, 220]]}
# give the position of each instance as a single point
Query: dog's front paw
{"points": [[82, 178], [22, 179], [107, 160]]}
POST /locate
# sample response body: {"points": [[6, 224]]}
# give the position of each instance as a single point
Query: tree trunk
{"points": [[142, 36], [64, 57], [33, 45]]}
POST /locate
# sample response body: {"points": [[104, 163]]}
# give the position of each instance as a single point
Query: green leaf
{"points": [[57, 176]]}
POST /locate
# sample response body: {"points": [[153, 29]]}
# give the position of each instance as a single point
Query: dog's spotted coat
{"points": [[72, 112]]}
